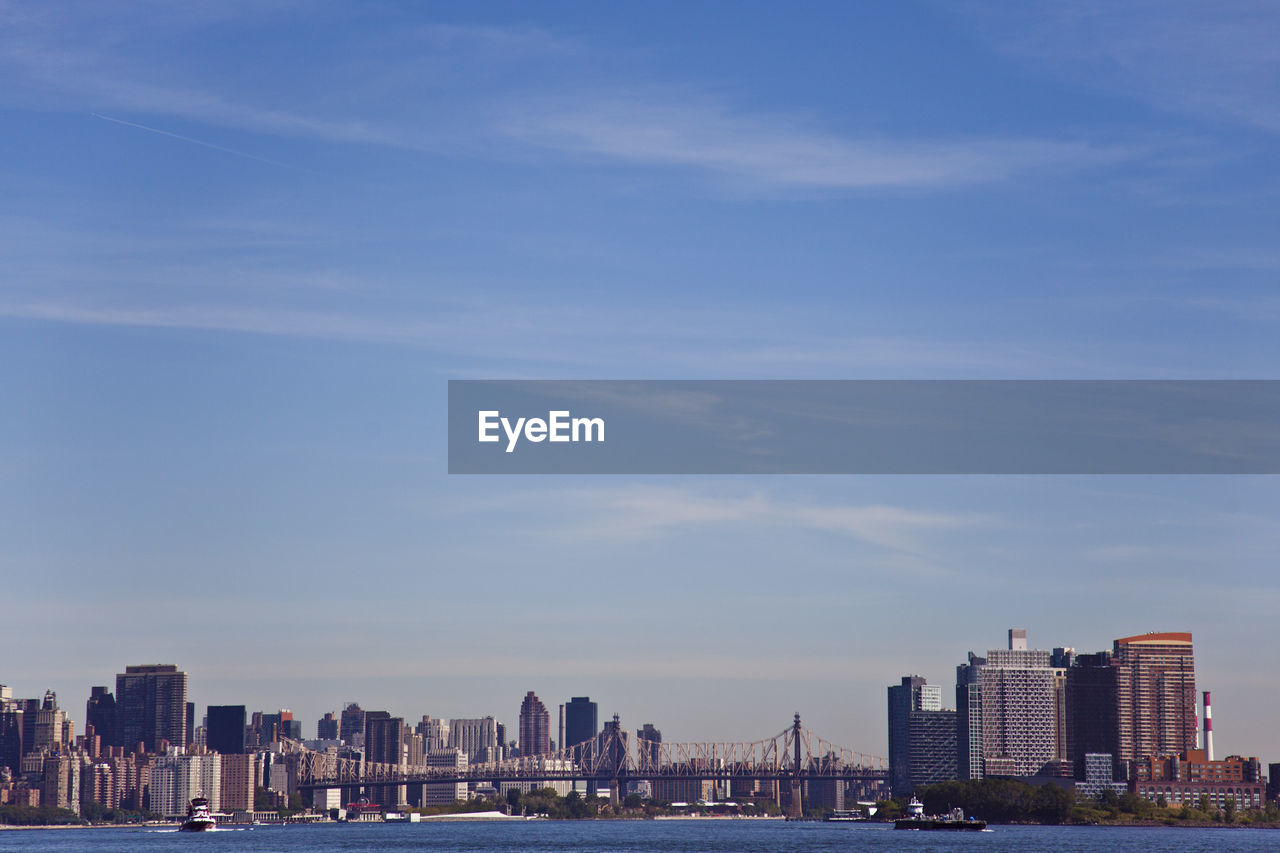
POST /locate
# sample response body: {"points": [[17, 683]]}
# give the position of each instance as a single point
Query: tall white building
{"points": [[473, 735], [176, 779], [1019, 715], [435, 733]]}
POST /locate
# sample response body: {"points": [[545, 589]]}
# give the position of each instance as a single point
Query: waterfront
{"points": [[715, 836]]}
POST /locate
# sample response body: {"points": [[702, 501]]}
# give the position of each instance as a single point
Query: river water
{"points": [[720, 836]]}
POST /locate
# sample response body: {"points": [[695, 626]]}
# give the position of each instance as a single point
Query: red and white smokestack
{"points": [[1208, 727]]}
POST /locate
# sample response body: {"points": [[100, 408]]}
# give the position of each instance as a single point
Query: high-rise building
{"points": [[535, 726], [434, 731], [931, 747], [151, 707], [327, 727], [922, 736], [1019, 716], [648, 746], [1155, 695], [177, 778], [352, 722], [384, 744], [383, 737], [11, 739], [475, 737], [100, 712], [1091, 711], [45, 725], [237, 782], [224, 729], [969, 718], [580, 721], [913, 694]]}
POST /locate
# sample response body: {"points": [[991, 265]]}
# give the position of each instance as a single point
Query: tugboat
{"points": [[954, 819], [199, 817]]}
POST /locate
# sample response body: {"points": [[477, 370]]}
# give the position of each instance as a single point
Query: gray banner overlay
{"points": [[864, 427]]}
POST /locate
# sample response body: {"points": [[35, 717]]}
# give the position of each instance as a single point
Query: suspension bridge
{"points": [[795, 756]]}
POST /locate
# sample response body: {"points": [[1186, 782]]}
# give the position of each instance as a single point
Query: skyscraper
{"points": [[11, 738], [969, 718], [1091, 710], [535, 726], [384, 744], [151, 706], [1155, 695], [475, 737], [580, 722], [100, 712], [648, 746], [922, 736], [1019, 719], [327, 727], [224, 729], [351, 722]]}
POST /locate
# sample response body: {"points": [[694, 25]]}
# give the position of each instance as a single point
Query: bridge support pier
{"points": [[795, 809]]}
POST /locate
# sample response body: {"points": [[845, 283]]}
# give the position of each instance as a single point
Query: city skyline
{"points": [[244, 248], [943, 695]]}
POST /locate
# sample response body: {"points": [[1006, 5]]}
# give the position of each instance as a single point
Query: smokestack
{"points": [[1208, 727]]}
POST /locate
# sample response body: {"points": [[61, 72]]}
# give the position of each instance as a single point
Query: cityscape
{"points": [[1106, 723]]}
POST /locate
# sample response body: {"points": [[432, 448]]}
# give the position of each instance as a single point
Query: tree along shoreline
{"points": [[1008, 801]]}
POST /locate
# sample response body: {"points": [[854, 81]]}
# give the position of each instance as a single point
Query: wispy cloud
{"points": [[781, 151], [1208, 59], [634, 513], [658, 128]]}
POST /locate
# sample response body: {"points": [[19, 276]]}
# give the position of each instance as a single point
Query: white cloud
{"points": [[781, 151], [644, 512]]}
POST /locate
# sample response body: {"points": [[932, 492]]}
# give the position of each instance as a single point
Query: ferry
{"points": [[199, 817], [846, 816], [953, 820]]}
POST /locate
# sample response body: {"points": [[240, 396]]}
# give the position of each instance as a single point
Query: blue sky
{"points": [[243, 247]]}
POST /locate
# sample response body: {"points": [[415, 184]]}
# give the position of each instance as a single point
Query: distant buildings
{"points": [[1185, 778], [1021, 712]]}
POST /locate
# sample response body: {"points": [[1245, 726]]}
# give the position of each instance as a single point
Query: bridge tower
{"points": [[796, 808]]}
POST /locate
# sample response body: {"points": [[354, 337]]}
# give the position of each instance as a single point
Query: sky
{"points": [[244, 246]]}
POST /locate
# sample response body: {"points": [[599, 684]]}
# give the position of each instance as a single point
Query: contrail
{"points": [[195, 141]]}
